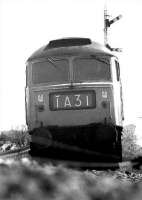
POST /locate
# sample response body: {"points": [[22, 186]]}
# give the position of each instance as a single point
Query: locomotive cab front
{"points": [[74, 96]]}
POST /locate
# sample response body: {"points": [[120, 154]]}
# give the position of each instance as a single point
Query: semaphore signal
{"points": [[107, 24]]}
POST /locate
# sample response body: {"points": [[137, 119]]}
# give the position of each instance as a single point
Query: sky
{"points": [[26, 25]]}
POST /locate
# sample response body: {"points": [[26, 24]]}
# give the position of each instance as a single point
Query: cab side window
{"points": [[26, 76], [117, 70]]}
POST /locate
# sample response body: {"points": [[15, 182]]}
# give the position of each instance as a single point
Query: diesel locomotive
{"points": [[73, 100]]}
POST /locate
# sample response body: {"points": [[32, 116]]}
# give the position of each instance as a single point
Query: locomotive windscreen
{"points": [[58, 70], [91, 69], [50, 71]]}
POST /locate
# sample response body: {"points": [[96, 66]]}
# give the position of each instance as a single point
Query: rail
{"points": [[122, 166], [15, 154], [18, 154]]}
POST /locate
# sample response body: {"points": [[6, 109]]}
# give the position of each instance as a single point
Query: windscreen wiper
{"points": [[51, 60], [99, 59]]}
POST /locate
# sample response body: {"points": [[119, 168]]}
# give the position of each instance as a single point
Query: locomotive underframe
{"points": [[91, 143]]}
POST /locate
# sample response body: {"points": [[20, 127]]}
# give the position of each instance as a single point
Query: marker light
{"points": [[105, 104], [40, 108]]}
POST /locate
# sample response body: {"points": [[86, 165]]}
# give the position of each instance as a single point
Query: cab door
{"points": [[27, 95], [118, 98], [120, 85]]}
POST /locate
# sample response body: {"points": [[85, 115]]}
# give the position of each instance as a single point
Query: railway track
{"points": [[15, 154], [18, 154]]}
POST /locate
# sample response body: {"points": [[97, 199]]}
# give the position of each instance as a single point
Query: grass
{"points": [[26, 180]]}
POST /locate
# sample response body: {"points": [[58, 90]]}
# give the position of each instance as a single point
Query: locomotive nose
{"points": [[65, 106]]}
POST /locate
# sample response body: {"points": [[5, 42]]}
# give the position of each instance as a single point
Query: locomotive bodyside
{"points": [[75, 87]]}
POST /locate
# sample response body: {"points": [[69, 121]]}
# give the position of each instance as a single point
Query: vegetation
{"points": [[129, 145], [20, 137], [27, 180]]}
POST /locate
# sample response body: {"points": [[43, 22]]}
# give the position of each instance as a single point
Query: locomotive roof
{"points": [[70, 47]]}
